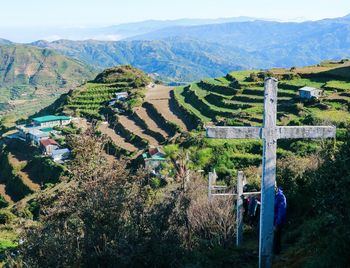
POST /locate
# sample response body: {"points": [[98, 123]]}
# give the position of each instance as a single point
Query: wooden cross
{"points": [[239, 196], [270, 133]]}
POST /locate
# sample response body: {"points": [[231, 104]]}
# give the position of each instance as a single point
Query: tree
{"points": [[105, 216]]}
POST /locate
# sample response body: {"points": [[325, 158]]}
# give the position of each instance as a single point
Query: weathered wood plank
{"points": [[210, 183], [239, 208], [305, 132], [234, 132], [269, 173]]}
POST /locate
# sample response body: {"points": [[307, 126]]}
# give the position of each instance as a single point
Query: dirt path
{"points": [[4, 194], [160, 97], [133, 128], [142, 113], [117, 139], [17, 164], [81, 123], [335, 96], [106, 129]]}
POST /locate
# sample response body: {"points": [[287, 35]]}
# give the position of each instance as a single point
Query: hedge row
{"points": [[221, 89], [44, 170], [112, 149], [170, 127], [143, 125], [206, 110], [196, 122], [127, 135], [219, 101], [249, 99]]}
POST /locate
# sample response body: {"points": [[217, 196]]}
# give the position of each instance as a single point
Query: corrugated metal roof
{"points": [[60, 152], [49, 118], [307, 89]]}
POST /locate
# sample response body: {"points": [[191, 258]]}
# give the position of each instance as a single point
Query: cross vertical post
{"points": [[210, 185], [269, 174], [239, 207]]}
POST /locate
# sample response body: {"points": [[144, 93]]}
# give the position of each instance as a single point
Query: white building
{"points": [[310, 93], [60, 154], [50, 121], [35, 135], [121, 96]]}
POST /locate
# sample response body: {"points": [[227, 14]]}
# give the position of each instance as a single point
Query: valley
{"points": [[137, 115]]}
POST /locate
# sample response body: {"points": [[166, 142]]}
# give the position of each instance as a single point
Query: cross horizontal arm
{"points": [[234, 132], [305, 132]]}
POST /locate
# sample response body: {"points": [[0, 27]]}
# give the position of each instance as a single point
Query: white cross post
{"points": [[270, 133]]}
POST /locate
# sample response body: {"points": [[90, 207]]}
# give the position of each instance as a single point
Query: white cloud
{"points": [[108, 37], [51, 38]]}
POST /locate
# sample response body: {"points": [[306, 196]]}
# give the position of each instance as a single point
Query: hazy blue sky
{"points": [[73, 13]]}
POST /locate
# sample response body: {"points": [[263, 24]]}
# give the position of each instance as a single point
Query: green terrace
{"points": [[92, 97], [237, 98]]}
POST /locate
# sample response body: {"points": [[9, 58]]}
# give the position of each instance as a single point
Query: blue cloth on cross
{"points": [[280, 208]]}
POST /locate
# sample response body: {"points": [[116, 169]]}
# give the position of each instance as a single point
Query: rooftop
{"points": [[49, 118], [121, 93], [38, 133], [307, 89], [48, 129], [60, 151], [48, 142]]}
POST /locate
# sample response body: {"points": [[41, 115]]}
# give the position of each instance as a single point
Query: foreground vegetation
{"points": [[103, 214], [107, 216]]}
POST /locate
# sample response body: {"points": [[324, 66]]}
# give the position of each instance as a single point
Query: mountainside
{"points": [[156, 113], [190, 52], [168, 60], [252, 35], [5, 42], [277, 44], [29, 76], [173, 120]]}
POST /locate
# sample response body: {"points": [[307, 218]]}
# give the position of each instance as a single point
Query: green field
{"points": [[237, 99]]}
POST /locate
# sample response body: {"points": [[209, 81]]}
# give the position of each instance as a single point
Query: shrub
{"points": [[3, 202], [6, 216]]}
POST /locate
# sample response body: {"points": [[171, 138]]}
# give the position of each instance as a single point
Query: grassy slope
{"points": [[32, 78], [209, 101], [205, 100]]}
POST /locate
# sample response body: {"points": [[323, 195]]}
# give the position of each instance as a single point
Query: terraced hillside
{"points": [[146, 117], [158, 115], [24, 171], [237, 98], [154, 114]]}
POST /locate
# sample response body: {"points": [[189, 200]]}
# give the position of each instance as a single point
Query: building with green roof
{"points": [[50, 121], [153, 158]]}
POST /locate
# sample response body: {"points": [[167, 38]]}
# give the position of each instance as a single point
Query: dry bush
{"points": [[212, 221]]}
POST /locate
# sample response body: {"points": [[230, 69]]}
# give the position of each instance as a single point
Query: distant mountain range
{"points": [[180, 51], [109, 33], [185, 53], [169, 60]]}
